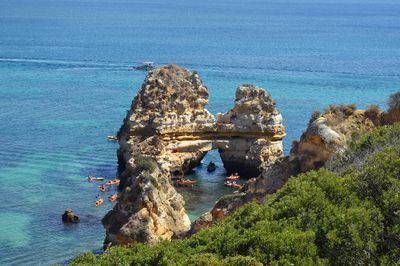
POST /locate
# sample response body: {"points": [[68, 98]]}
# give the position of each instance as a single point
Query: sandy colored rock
{"points": [[254, 130], [169, 126], [326, 135]]}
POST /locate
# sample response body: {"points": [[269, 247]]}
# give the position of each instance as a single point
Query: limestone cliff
{"points": [[166, 115], [167, 132], [166, 118], [326, 135], [254, 132], [149, 208]]}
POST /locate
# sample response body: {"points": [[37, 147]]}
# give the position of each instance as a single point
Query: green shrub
{"points": [[86, 258], [317, 218], [394, 101], [342, 110], [314, 117], [145, 164], [373, 112], [240, 261], [364, 147], [207, 259]]}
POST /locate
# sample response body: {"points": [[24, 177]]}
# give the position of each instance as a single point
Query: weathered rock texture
{"points": [[253, 129], [326, 135], [149, 208], [70, 217], [167, 132], [167, 118]]}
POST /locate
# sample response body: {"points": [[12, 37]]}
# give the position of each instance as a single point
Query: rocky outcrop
{"points": [[149, 208], [167, 132], [164, 126], [254, 131], [326, 135], [70, 217], [167, 119]]}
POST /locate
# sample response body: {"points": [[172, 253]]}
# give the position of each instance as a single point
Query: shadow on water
{"points": [[209, 187]]}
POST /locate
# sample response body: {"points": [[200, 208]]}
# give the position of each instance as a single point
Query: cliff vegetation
{"points": [[346, 213]]}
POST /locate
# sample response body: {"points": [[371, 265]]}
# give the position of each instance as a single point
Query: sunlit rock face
{"points": [[165, 125], [149, 209], [170, 107], [326, 135], [167, 132], [254, 132]]}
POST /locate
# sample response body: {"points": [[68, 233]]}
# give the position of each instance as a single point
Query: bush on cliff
{"points": [[366, 146], [394, 101], [317, 218], [145, 164]]}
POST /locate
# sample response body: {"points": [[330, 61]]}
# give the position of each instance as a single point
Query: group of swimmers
{"points": [[186, 182], [232, 184], [104, 188], [233, 177], [231, 181]]}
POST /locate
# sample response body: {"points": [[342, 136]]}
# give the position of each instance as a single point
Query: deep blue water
{"points": [[66, 83]]}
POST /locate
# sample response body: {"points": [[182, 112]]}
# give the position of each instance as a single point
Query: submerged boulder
{"points": [[70, 217]]}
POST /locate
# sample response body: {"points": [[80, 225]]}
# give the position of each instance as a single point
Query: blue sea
{"points": [[66, 81]]}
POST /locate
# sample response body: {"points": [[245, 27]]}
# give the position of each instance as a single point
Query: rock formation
{"points": [[168, 120], [167, 132], [326, 135], [253, 130], [70, 217], [149, 208], [162, 133]]}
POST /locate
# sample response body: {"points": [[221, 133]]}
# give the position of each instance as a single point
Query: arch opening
{"points": [[209, 187]]}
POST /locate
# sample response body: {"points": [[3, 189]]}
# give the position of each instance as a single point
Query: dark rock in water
{"points": [[211, 167], [70, 217]]}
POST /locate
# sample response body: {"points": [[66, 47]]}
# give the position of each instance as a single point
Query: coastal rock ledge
{"points": [[166, 133], [326, 137]]}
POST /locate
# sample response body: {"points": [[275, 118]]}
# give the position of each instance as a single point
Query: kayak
{"points": [[99, 202], [103, 188], [113, 197], [186, 182], [232, 184], [233, 177], [114, 182]]}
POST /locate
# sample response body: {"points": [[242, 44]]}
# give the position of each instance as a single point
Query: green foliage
{"points": [[314, 117], [394, 101], [341, 110], [373, 112], [365, 146], [86, 258], [318, 218], [145, 164], [152, 179], [240, 261]]}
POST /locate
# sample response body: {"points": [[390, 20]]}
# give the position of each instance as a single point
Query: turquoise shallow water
{"points": [[66, 83]]}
